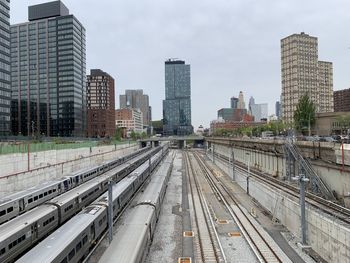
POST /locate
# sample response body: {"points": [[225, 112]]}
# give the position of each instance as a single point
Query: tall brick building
{"points": [[100, 104], [342, 100]]}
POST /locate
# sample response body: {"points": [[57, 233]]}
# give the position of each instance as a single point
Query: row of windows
{"points": [[4, 102], [48, 221], [4, 76], [4, 110], [5, 93], [35, 198], [16, 242], [68, 208], [5, 17], [9, 210]]}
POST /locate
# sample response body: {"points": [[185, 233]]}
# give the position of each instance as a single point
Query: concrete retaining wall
{"points": [[275, 164], [58, 164], [326, 235]]}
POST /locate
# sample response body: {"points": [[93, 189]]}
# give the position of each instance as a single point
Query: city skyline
{"points": [[232, 68]]}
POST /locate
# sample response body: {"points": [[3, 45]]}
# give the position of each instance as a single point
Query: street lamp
{"points": [[302, 180]]}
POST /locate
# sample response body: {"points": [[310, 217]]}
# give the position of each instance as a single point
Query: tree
{"points": [[143, 135], [118, 134], [304, 115]]}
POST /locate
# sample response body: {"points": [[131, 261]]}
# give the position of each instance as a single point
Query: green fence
{"points": [[47, 146]]}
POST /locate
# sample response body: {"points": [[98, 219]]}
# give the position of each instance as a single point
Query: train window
{"points": [[84, 240], [71, 254], [21, 239], [35, 198], [64, 260], [50, 191], [45, 194], [78, 247], [2, 251], [41, 196], [100, 223], [10, 209], [30, 200], [2, 213], [54, 190]]}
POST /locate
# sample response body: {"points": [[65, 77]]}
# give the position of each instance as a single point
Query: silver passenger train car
{"points": [[58, 210], [138, 228], [18, 203], [72, 241]]}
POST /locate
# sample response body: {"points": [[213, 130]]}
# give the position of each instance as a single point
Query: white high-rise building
{"points": [[302, 74], [241, 103]]}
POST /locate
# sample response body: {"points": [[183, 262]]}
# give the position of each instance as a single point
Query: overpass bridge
{"points": [[177, 141]]}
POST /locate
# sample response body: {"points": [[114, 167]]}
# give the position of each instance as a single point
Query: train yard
{"points": [[166, 206]]}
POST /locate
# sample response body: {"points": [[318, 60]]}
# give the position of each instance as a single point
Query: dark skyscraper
{"points": [[177, 103], [48, 73], [5, 89], [278, 109], [234, 103]]}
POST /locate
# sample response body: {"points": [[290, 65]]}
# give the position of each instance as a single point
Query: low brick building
{"points": [[129, 120]]}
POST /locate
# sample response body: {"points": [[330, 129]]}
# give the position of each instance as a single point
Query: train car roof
{"points": [[54, 244], [11, 227], [75, 192], [130, 232], [117, 189]]}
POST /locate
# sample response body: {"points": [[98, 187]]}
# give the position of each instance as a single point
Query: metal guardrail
{"points": [[308, 169]]}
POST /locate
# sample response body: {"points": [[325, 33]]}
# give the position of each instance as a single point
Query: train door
{"points": [[77, 180], [59, 188], [92, 233], [34, 230], [21, 205], [66, 185]]}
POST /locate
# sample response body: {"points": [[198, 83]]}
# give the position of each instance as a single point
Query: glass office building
{"points": [[177, 103], [5, 89], [48, 67]]}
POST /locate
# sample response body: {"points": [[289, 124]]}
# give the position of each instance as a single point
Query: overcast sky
{"points": [[232, 45]]}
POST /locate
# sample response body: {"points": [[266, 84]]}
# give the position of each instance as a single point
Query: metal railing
{"points": [[306, 166]]}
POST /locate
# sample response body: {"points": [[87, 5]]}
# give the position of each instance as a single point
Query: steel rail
{"points": [[261, 247], [206, 240]]}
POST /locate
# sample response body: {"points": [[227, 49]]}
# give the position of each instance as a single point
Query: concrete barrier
{"points": [[66, 162]]}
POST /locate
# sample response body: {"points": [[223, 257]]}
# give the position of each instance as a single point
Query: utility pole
{"points": [[110, 211], [248, 176], [213, 148], [302, 180], [233, 166]]}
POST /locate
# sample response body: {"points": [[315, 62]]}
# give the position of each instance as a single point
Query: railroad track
{"points": [[329, 207], [263, 247], [208, 247]]}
